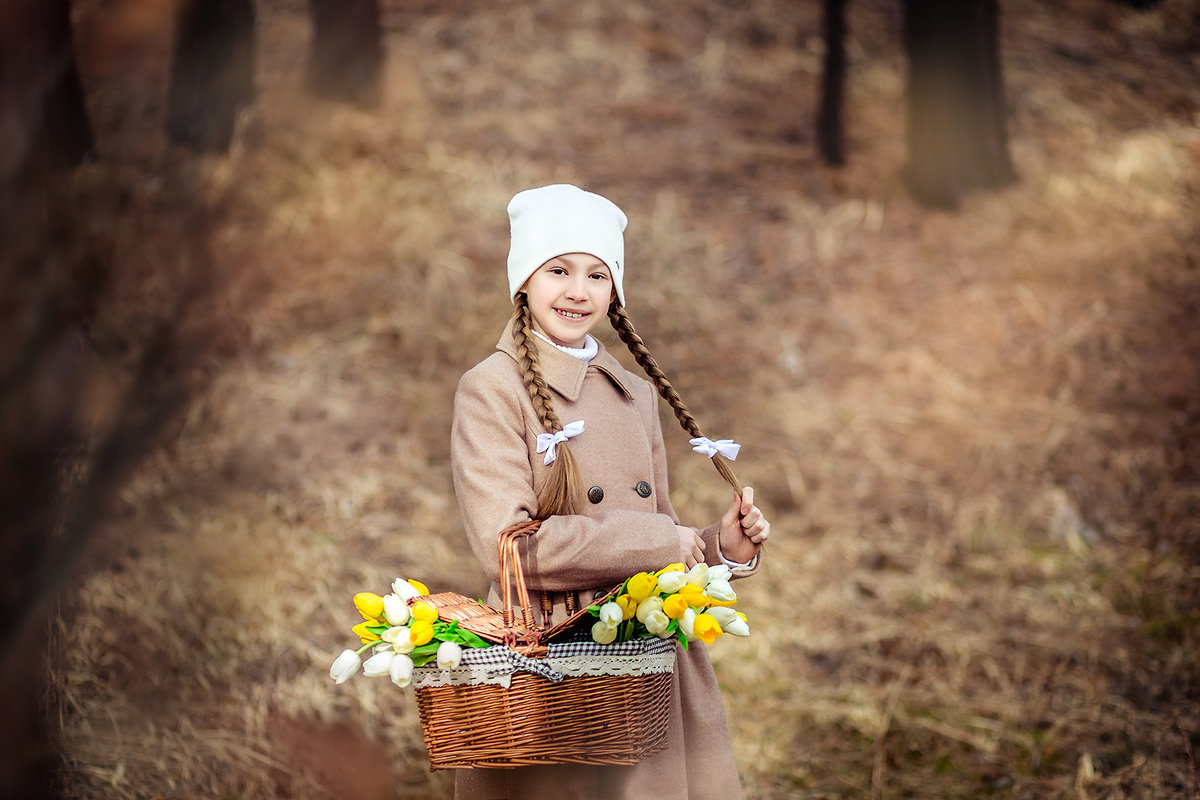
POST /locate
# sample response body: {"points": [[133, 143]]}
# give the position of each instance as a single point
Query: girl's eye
{"points": [[600, 276]]}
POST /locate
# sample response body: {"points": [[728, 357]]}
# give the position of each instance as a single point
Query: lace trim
{"points": [[496, 665]]}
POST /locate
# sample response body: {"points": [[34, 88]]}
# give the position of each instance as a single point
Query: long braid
{"points": [[563, 486], [624, 328]]}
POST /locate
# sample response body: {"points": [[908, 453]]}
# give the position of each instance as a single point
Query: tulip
{"points": [[719, 573], [687, 623], [721, 591], [641, 586], [449, 655], [707, 629], [378, 664], [603, 633], [695, 596], [628, 606], [395, 609], [400, 639], [611, 614], [405, 590], [421, 588], [670, 568], [671, 582], [675, 606], [723, 616], [400, 670], [344, 666], [698, 575], [738, 627], [426, 612], [656, 622], [647, 606], [369, 604], [421, 632], [364, 634]]}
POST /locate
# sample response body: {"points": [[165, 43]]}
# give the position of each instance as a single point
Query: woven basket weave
{"points": [[603, 704]]}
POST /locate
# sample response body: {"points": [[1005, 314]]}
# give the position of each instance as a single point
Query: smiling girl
{"points": [[552, 427]]}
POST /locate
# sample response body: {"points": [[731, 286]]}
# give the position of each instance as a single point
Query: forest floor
{"points": [[977, 434]]}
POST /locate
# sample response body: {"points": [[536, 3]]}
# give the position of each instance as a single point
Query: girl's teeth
{"points": [[571, 314]]}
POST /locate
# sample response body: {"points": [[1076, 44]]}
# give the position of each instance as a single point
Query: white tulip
{"points": [[399, 639], [449, 655], [344, 666], [698, 575], [723, 615], [648, 606], [721, 590], [611, 614], [719, 573], [656, 622], [603, 633], [378, 664], [400, 670], [404, 590], [395, 610], [738, 627], [671, 582], [687, 623]]}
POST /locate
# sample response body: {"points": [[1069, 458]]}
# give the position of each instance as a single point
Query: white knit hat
{"points": [[559, 219]]}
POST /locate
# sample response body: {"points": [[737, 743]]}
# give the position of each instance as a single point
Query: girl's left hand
{"points": [[743, 528]]}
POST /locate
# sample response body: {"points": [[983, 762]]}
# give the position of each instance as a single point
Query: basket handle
{"points": [[512, 572]]}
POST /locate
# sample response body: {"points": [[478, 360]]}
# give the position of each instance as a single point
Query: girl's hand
{"points": [[691, 546], [743, 528]]}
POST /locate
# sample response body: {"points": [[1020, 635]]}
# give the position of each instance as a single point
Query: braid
{"points": [[624, 328], [563, 485]]}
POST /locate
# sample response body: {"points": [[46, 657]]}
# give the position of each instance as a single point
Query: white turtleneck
{"points": [[585, 354]]}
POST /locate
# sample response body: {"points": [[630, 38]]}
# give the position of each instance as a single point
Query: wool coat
{"points": [[626, 525]]}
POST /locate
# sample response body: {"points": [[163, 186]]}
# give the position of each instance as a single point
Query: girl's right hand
{"points": [[691, 546]]}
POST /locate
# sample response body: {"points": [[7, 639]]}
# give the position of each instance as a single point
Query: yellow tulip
{"points": [[364, 634], [424, 611], [695, 596], [706, 628], [670, 568], [420, 587], [641, 586], [420, 632], [675, 606], [628, 605], [369, 604]]}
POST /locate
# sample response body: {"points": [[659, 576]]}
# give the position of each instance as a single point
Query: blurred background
{"points": [[934, 264]]}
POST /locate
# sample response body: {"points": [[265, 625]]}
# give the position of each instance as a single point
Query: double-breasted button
{"points": [[595, 494], [642, 488]]}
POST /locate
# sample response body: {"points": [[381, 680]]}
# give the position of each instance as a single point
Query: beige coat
{"points": [[496, 471]]}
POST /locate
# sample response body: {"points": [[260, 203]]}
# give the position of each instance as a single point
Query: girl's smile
{"points": [[568, 296]]}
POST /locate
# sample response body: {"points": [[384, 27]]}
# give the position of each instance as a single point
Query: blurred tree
{"points": [[957, 136], [45, 121], [830, 135], [346, 61], [212, 72]]}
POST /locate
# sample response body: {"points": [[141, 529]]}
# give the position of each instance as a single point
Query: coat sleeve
{"points": [[493, 479]]}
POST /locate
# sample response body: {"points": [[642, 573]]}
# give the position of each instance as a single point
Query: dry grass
{"points": [[976, 434]]}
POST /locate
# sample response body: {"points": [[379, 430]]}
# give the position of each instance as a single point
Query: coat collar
{"points": [[565, 373]]}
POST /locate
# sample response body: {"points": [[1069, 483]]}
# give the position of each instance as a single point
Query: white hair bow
{"points": [[708, 447], [548, 442]]}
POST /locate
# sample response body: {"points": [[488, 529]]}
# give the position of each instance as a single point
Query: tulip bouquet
{"points": [[404, 632], [692, 604]]}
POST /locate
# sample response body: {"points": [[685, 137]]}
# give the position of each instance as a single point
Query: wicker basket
{"points": [[532, 700]]}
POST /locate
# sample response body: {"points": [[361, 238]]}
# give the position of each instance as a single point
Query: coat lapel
{"points": [[564, 373]]}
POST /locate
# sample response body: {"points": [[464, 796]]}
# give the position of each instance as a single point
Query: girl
{"points": [[551, 427]]}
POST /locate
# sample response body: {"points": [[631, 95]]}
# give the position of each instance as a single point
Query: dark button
{"points": [[642, 488], [595, 494]]}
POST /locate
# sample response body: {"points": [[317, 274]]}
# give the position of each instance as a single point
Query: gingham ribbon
{"points": [[548, 442], [709, 447]]}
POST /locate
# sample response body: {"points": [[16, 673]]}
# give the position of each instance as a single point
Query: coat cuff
{"points": [[714, 557]]}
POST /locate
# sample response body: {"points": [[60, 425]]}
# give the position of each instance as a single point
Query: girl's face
{"points": [[569, 296]]}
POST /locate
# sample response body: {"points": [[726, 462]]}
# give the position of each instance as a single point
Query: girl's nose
{"points": [[577, 288]]}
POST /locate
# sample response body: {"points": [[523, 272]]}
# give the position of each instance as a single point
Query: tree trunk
{"points": [[830, 128], [957, 137], [212, 73], [346, 62]]}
